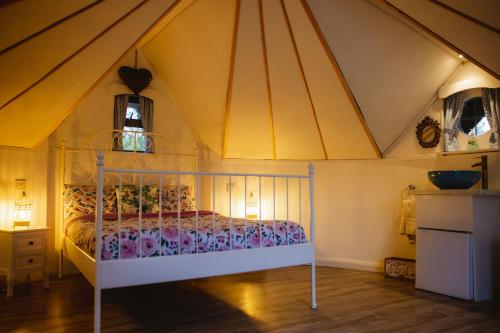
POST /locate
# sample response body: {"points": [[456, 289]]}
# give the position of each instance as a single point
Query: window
{"points": [[132, 123], [133, 138], [473, 120]]}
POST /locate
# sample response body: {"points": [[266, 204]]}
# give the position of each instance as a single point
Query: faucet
{"points": [[484, 170]]}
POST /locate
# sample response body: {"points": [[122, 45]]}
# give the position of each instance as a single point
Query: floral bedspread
{"points": [[215, 233]]}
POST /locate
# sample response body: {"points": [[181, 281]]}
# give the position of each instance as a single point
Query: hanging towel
{"points": [[407, 224]]}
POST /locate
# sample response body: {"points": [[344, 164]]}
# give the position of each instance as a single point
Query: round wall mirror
{"points": [[428, 132], [473, 120]]}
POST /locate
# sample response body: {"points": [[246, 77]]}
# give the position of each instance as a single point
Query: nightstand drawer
{"points": [[29, 261], [23, 252], [28, 243]]}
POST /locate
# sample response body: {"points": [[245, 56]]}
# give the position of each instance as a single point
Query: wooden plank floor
{"points": [[268, 301]]}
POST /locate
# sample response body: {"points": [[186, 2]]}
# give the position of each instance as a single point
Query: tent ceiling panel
{"points": [[483, 10], [296, 81], [481, 44], [179, 8], [31, 118], [392, 70], [192, 54], [342, 131], [54, 46], [248, 126], [296, 133], [212, 137], [24, 18]]}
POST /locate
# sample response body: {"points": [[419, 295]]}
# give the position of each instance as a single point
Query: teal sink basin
{"points": [[454, 179]]}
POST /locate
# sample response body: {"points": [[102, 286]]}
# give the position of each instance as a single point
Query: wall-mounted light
{"points": [[22, 204], [460, 56]]}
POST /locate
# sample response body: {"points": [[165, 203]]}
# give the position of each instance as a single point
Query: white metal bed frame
{"points": [[147, 270]]}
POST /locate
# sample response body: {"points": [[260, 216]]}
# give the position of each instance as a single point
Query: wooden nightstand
{"points": [[23, 251]]}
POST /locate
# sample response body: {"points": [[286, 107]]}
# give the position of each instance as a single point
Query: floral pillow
{"points": [[169, 198], [81, 200], [129, 198]]}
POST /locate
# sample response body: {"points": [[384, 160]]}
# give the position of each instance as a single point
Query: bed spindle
{"points": [[213, 210], [140, 216], [160, 201], [98, 242], [197, 185], [261, 223], [230, 215], [119, 201], [287, 216], [179, 213], [300, 207], [274, 212], [246, 220]]}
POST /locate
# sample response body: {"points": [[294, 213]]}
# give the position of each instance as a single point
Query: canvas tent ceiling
{"points": [[284, 79]]}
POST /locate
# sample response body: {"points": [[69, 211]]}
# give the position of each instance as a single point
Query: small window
{"points": [[132, 138], [473, 120], [133, 126]]}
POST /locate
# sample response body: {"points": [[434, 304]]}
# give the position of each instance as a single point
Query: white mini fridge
{"points": [[458, 241], [444, 263]]}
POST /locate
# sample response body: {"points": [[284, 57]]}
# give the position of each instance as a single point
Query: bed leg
{"points": [[61, 258], [97, 310], [314, 305]]}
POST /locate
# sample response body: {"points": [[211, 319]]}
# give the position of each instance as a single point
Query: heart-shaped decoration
{"points": [[137, 79]]}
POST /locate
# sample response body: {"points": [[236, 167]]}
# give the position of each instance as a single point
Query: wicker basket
{"points": [[400, 268]]}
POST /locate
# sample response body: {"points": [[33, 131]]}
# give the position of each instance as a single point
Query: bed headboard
{"points": [[75, 185], [162, 152]]}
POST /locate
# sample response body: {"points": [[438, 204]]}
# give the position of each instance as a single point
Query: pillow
{"points": [[81, 200], [169, 198], [129, 198]]}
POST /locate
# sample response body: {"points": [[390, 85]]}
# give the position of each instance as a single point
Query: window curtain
{"points": [[452, 106], [491, 105], [146, 109], [120, 115]]}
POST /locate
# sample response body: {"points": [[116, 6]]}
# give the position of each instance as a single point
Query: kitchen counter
{"points": [[458, 192]]}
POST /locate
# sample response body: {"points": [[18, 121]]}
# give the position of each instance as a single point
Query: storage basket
{"points": [[400, 268]]}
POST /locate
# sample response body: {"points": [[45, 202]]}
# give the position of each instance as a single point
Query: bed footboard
{"points": [[179, 266]]}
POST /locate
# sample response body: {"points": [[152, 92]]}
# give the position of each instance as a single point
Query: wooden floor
{"points": [[269, 301]]}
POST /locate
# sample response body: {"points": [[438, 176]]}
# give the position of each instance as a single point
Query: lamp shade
{"points": [[22, 203]]}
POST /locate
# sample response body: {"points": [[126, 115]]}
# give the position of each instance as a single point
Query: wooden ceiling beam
{"points": [[230, 76], [302, 72], [341, 77], [466, 16], [5, 3], [438, 37], [266, 69], [47, 28], [74, 54]]}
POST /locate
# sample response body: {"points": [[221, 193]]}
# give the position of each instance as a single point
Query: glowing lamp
{"points": [[252, 213], [22, 205]]}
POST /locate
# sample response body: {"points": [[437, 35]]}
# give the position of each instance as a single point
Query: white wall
{"points": [[357, 201], [28, 164]]}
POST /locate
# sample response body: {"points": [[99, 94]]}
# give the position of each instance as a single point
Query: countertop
{"points": [[458, 192]]}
